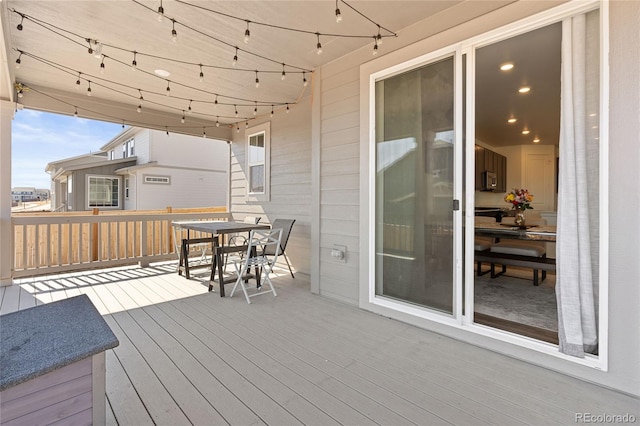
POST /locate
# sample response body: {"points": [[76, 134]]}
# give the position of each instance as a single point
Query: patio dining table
{"points": [[531, 233], [218, 230]]}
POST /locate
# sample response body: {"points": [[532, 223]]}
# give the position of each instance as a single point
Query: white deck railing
{"points": [[64, 242]]}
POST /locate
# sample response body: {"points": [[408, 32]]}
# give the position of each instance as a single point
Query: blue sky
{"points": [[39, 138]]}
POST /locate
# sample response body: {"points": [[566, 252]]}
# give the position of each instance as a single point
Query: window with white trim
{"points": [[103, 191], [154, 179], [258, 154], [126, 188], [128, 148]]}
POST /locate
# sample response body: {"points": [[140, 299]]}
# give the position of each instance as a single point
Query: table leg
{"points": [[219, 257], [214, 263], [185, 256]]}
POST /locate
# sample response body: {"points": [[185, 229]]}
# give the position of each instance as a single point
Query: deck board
{"points": [[187, 356]]}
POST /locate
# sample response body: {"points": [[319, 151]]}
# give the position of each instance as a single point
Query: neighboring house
{"points": [[142, 169], [23, 193], [29, 194]]}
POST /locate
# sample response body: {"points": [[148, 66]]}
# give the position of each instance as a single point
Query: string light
{"points": [[89, 49], [338, 14], [304, 79], [204, 132], [18, 61], [375, 46], [218, 121], [216, 102], [20, 93], [255, 110], [246, 124], [102, 65], [257, 80], [168, 88], [319, 45], [174, 33], [19, 27], [237, 129], [182, 119], [201, 74], [284, 74], [287, 108], [271, 115], [97, 51], [236, 108], [235, 58], [379, 37], [166, 130], [160, 15], [123, 124], [89, 89], [75, 113], [78, 82], [247, 33], [139, 109], [189, 109], [141, 98], [134, 63]]}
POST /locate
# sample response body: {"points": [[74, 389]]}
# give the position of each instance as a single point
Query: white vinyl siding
{"points": [[290, 180]]}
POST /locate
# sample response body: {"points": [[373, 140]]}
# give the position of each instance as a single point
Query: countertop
{"points": [[44, 338]]}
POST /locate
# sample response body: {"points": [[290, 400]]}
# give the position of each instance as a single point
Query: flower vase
{"points": [[519, 219]]}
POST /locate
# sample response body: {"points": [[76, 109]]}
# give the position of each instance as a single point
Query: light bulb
{"points": [[217, 123], [182, 119], [338, 16], [89, 91], [257, 82], [238, 129], [375, 49], [319, 48], [75, 113], [19, 27], [271, 115], [102, 67], [134, 65], [247, 33], [379, 38], [139, 109], [201, 74], [78, 84], [287, 108], [236, 108], [174, 35], [284, 75], [168, 91], [18, 62], [246, 124], [204, 133], [97, 52], [304, 79], [235, 60], [255, 111], [20, 93], [216, 102], [160, 15]]}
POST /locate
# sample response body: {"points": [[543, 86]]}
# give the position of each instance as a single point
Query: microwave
{"points": [[489, 181]]}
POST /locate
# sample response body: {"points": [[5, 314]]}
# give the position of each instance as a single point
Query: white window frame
{"points": [[128, 148], [156, 179], [126, 187], [87, 201], [403, 60], [265, 129]]}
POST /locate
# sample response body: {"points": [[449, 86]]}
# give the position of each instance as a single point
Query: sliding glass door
{"points": [[414, 186]]}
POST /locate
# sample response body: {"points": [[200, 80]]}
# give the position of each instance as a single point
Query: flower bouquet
{"points": [[520, 199]]}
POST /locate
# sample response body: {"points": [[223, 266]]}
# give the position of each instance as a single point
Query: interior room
{"points": [[517, 89]]}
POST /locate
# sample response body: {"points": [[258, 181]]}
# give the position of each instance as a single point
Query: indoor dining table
{"points": [[217, 229]]}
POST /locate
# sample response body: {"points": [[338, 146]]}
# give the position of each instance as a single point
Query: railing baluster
{"points": [[25, 238], [36, 260], [49, 250]]}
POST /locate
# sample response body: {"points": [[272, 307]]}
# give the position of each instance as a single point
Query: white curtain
{"points": [[578, 236]]}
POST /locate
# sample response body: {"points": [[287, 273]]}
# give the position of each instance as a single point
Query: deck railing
{"points": [[46, 243]]}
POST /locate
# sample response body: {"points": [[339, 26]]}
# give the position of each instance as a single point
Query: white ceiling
{"points": [[132, 27]]}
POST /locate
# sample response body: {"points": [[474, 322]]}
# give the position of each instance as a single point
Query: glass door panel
{"points": [[415, 186]]}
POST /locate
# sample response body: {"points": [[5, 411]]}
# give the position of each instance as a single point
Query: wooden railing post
{"points": [[94, 237]]}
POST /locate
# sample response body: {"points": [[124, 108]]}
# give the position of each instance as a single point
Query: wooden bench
{"points": [[543, 264]]}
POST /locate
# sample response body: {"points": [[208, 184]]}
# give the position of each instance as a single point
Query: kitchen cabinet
{"points": [[487, 160]]}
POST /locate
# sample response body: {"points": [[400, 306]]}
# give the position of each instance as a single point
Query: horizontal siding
{"points": [[290, 169], [340, 183]]}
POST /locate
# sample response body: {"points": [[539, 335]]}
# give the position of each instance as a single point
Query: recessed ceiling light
{"points": [[506, 67], [511, 120], [536, 140], [526, 132], [162, 73], [524, 89]]}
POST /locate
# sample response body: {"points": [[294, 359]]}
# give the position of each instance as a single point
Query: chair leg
{"points": [[535, 277], [288, 264]]}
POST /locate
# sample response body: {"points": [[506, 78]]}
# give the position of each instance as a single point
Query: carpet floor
{"points": [[513, 297]]}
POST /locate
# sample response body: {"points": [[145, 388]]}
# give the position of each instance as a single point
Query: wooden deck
{"points": [[187, 356]]}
